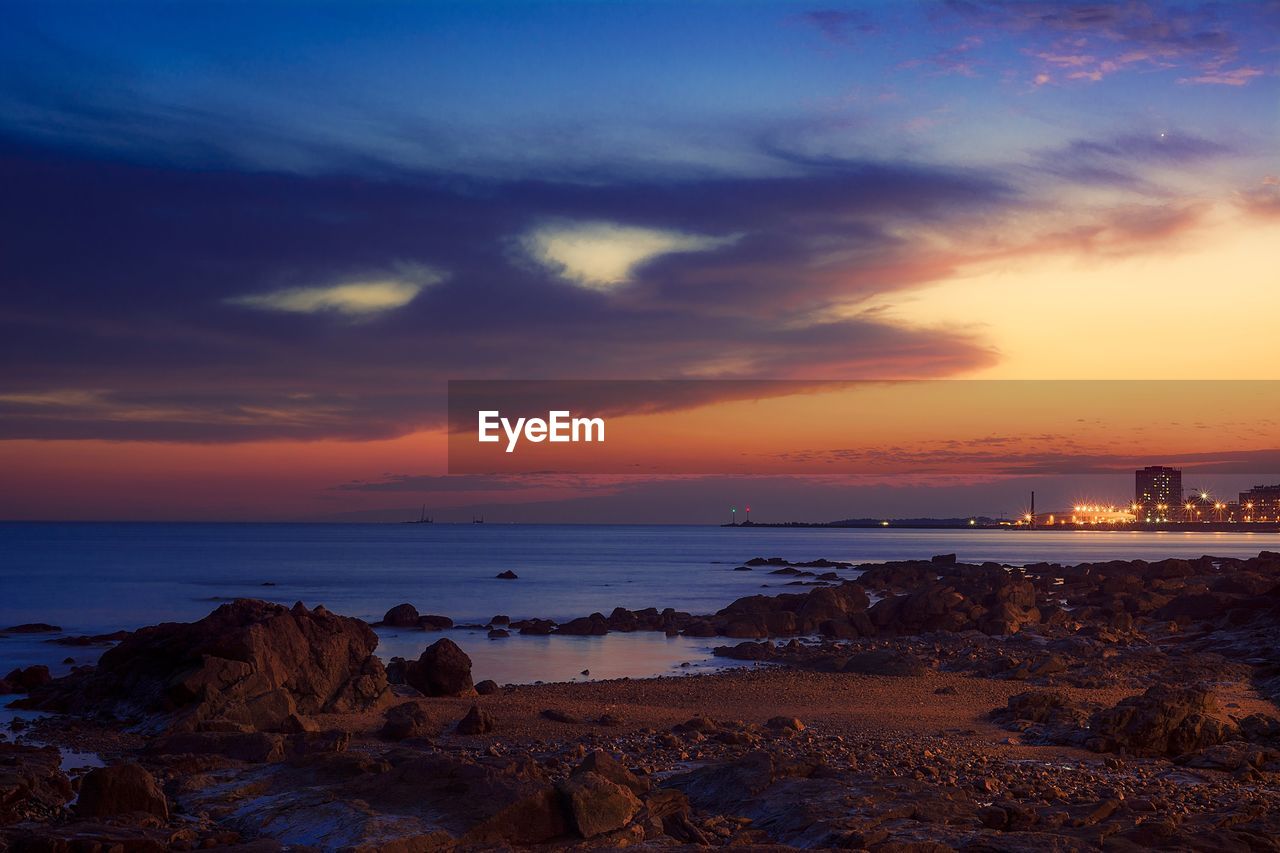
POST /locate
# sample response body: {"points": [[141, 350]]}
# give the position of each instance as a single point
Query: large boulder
{"points": [[598, 805], [1164, 721], [118, 790], [249, 664], [442, 670]]}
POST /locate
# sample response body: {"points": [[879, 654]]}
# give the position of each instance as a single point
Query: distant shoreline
{"points": [[955, 524]]}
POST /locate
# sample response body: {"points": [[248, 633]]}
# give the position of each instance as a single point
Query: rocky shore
{"points": [[908, 706]]}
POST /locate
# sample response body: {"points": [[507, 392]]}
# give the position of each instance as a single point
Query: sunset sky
{"points": [[246, 245]]}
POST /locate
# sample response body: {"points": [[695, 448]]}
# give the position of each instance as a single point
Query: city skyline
{"points": [[248, 245]]}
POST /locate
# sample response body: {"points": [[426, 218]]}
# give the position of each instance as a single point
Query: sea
{"points": [[95, 578]]}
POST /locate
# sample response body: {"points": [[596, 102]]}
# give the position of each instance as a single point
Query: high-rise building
{"points": [[1157, 492], [1261, 503]]}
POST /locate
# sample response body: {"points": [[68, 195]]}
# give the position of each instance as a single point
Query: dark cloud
{"points": [[118, 278]]}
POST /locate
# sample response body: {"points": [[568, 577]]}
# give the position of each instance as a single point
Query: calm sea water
{"points": [[95, 578]]}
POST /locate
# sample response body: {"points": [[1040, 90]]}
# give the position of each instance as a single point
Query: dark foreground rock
{"points": [[120, 790], [1164, 721], [248, 664], [32, 784]]}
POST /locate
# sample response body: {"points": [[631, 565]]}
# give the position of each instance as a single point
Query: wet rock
{"points": [[434, 623], [477, 722], [534, 627], [32, 784], [487, 687], [498, 634], [747, 651], [594, 625], [597, 805], [251, 663], [508, 575], [442, 670], [760, 616], [118, 790], [401, 616], [624, 620], [500, 620], [700, 628]]}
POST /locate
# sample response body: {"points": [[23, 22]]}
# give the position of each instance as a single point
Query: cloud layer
{"points": [[223, 265]]}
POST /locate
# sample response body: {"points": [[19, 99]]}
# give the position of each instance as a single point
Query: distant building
{"points": [[1157, 493], [1261, 503]]}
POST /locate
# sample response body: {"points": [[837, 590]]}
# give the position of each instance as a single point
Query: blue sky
{"points": [[570, 88]]}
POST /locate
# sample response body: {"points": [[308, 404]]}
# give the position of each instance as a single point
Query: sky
{"points": [[246, 245]]}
